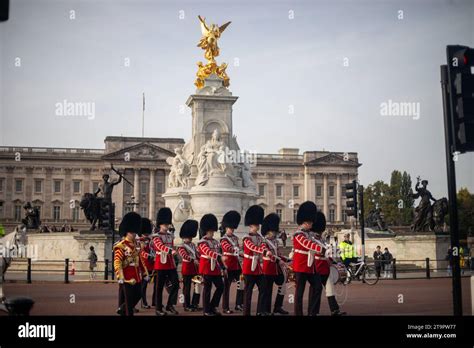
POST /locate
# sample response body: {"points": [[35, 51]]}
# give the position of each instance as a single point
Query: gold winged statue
{"points": [[208, 42]]}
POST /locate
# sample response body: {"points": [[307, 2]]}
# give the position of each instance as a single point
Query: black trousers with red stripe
{"points": [[250, 282], [210, 305], [314, 300], [231, 276], [129, 296]]}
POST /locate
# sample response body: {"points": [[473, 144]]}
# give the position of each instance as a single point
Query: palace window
{"points": [[2, 180], [331, 215], [128, 188], [295, 212], [17, 212], [144, 187], [57, 186], [344, 215], [18, 185], [56, 213], [75, 214], [278, 189], [279, 213], [296, 190], [38, 186], [319, 190], [331, 190], [95, 186], [143, 211], [159, 187], [261, 189], [1, 209], [76, 186]]}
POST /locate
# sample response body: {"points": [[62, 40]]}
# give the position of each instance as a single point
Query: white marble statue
{"points": [[180, 170], [208, 159]]}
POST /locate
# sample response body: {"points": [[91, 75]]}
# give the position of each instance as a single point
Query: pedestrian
{"points": [[449, 258], [378, 260], [387, 261], [283, 238], [92, 262]]}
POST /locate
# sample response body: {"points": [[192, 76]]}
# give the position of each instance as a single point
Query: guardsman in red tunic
{"points": [[165, 266], [274, 267], [128, 264], [305, 251], [211, 265], [231, 250], [190, 265], [254, 250], [144, 242], [323, 267]]}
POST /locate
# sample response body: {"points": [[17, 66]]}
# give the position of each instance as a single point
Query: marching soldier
{"points": [[254, 249], [127, 262], [165, 266], [231, 251], [274, 267], [144, 242], [323, 267], [190, 267], [211, 265], [305, 251]]}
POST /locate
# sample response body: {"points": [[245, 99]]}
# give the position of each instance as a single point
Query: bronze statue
{"points": [[376, 220], [428, 217], [210, 35], [32, 218]]}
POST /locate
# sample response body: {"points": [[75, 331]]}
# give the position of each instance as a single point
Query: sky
{"points": [[311, 75]]}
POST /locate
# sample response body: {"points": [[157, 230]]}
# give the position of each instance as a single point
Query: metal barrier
{"points": [[400, 269]]}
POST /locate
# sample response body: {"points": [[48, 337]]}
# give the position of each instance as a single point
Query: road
{"points": [[388, 297]]}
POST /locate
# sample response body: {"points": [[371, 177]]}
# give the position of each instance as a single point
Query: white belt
{"points": [[249, 256], [213, 261], [186, 260], [267, 258], [230, 254], [254, 259]]}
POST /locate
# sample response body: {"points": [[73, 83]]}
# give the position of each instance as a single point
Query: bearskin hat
{"points": [[131, 222], [271, 223], [147, 227], [231, 219], [306, 212], [208, 223], [319, 225], [164, 216], [254, 215], [189, 229]]}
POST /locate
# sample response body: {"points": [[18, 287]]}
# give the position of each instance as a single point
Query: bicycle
{"points": [[367, 274]]}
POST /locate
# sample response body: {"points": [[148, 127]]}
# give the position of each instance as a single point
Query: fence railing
{"points": [[67, 270]]}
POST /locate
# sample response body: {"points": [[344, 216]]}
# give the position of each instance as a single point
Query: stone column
{"points": [[325, 196], [307, 188], [338, 199], [152, 194], [136, 185]]}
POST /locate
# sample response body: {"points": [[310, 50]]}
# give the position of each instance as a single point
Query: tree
{"points": [[465, 212]]}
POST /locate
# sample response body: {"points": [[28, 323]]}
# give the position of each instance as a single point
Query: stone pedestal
{"points": [[225, 185]]}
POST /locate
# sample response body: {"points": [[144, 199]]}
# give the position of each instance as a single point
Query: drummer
{"points": [[324, 266]]}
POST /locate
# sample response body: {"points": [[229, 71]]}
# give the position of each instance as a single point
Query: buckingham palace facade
{"points": [[54, 179]]}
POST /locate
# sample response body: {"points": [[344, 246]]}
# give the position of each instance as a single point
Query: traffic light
{"points": [[106, 215], [351, 202], [461, 96]]}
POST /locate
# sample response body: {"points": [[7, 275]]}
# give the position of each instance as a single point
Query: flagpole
{"points": [[143, 116]]}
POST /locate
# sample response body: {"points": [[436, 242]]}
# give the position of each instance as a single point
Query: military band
{"points": [[213, 263]]}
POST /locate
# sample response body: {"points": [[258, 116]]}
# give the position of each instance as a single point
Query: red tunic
{"points": [[230, 249], [254, 248], [321, 264], [208, 262], [189, 254], [127, 261], [163, 244], [144, 243], [270, 264], [303, 245]]}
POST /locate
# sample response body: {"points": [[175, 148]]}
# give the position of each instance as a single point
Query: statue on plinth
{"points": [[428, 217], [375, 220], [208, 42], [180, 170], [32, 216]]}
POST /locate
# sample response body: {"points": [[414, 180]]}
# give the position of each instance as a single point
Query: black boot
{"points": [[171, 310], [195, 302], [239, 299]]}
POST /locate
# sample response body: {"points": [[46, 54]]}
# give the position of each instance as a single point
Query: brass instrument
{"points": [[197, 279]]}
